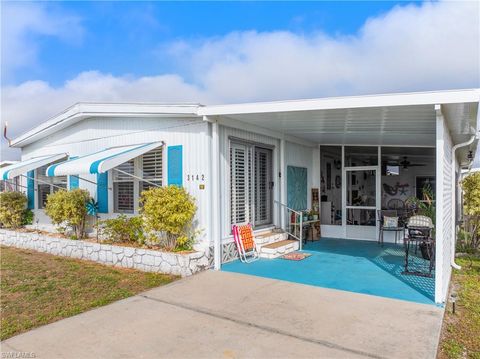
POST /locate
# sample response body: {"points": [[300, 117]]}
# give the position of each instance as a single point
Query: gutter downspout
{"points": [[454, 204]]}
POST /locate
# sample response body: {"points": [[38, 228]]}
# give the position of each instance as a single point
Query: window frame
{"points": [[137, 183], [53, 182]]}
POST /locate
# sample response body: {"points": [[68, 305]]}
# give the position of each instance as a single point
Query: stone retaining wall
{"points": [[128, 257]]}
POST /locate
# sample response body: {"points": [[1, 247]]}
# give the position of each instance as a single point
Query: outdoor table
{"points": [[306, 224]]}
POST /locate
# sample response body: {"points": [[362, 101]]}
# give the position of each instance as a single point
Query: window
{"points": [[127, 189], [123, 187], [11, 185], [47, 185], [361, 156], [151, 169]]}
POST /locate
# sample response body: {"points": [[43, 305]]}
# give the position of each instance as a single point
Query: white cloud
{"points": [[21, 26], [410, 48]]}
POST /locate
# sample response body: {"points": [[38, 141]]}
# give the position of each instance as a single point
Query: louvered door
{"points": [[240, 183], [250, 184], [263, 186]]}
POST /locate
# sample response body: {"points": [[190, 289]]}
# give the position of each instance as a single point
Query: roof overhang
{"points": [[348, 102], [404, 119], [82, 111]]}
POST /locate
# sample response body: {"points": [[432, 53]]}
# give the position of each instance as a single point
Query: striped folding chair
{"points": [[245, 242]]}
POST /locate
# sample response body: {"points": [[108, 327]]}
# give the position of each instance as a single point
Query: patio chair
{"points": [[389, 222], [245, 242], [420, 232]]}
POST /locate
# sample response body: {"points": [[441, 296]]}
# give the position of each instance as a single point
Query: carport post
{"points": [[215, 220], [283, 181]]}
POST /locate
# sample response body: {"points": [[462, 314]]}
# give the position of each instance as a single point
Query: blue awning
{"points": [[102, 161], [21, 168]]}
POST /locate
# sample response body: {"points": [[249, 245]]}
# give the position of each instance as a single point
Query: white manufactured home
{"points": [[346, 158]]}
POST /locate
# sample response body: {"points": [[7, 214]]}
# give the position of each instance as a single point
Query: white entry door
{"points": [[361, 202]]}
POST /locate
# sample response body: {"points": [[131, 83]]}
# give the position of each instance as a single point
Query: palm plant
{"points": [[426, 205]]}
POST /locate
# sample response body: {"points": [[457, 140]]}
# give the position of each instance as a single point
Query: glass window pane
{"points": [[361, 156], [331, 185], [361, 188], [43, 192], [361, 217], [123, 197]]}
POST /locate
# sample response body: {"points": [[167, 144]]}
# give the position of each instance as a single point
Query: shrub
{"points": [[470, 239], [168, 215], [122, 229], [12, 208], [69, 208], [27, 217], [471, 194]]}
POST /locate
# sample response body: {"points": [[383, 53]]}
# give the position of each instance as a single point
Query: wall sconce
{"points": [[337, 164], [470, 156]]}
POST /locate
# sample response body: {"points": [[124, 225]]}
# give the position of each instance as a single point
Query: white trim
{"points": [[381, 100], [81, 111], [439, 177], [216, 219]]}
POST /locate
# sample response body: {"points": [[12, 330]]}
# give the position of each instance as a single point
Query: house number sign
{"points": [[197, 177]]}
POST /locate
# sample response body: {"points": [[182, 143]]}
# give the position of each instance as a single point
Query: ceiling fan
{"points": [[406, 163]]}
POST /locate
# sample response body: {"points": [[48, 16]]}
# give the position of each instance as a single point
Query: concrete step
{"points": [[270, 237], [279, 248]]}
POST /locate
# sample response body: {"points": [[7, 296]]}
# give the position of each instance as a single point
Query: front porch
{"points": [[350, 265]]}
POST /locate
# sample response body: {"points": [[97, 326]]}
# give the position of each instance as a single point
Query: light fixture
{"points": [[470, 156]]}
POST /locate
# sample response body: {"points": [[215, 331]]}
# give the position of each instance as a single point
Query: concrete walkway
{"points": [[229, 315]]}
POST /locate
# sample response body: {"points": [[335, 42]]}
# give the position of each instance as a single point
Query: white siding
{"points": [[444, 220], [95, 134]]}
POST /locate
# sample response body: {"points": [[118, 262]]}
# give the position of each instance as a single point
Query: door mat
{"points": [[296, 256]]}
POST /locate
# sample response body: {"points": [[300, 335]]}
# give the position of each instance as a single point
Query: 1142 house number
{"points": [[196, 178]]}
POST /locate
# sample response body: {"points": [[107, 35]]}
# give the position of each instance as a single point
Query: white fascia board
{"points": [[82, 111], [385, 100]]}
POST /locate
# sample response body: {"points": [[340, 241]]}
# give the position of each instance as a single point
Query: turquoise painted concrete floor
{"points": [[351, 265]]}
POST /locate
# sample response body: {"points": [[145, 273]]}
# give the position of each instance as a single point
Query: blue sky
{"points": [[55, 54], [127, 37]]}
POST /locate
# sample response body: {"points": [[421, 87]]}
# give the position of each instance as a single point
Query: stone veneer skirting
{"points": [[127, 257]]}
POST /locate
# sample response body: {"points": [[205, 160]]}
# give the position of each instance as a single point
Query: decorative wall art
{"points": [[297, 188], [338, 181], [401, 189]]}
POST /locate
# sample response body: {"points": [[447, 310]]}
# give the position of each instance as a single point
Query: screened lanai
{"points": [[368, 154]]}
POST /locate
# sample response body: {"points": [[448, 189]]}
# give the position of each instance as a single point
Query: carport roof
{"points": [[391, 119]]}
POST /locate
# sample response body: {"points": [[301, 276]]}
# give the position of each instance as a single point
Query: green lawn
{"points": [[461, 331], [38, 288]]}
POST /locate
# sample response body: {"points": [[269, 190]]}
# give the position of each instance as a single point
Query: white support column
{"points": [[344, 195], [215, 183], [378, 202], [439, 255], [283, 182]]}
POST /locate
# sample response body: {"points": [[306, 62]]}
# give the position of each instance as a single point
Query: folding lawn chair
{"points": [[245, 242]]}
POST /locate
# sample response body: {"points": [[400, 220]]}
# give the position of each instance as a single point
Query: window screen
{"points": [[123, 193], [47, 185], [151, 169]]}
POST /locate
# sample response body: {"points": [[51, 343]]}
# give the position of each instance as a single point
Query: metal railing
{"points": [[291, 222]]}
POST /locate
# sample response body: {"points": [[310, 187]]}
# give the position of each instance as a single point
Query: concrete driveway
{"points": [[230, 315]]}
